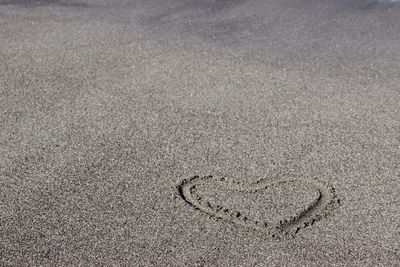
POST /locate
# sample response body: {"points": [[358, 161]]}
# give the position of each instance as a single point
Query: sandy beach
{"points": [[199, 133]]}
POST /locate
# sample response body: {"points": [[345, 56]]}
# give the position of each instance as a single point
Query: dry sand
{"points": [[107, 106]]}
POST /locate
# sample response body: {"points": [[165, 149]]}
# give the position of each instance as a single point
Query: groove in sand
{"points": [[324, 202]]}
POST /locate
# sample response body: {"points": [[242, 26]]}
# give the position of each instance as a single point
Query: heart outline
{"points": [[319, 208]]}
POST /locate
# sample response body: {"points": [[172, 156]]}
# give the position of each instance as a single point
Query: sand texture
{"points": [[199, 133]]}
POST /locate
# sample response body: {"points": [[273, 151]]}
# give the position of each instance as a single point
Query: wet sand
{"points": [[108, 106]]}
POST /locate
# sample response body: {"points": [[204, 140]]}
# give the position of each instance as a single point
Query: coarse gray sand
{"points": [[107, 105]]}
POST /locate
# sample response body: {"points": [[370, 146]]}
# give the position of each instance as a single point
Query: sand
{"points": [[108, 106]]}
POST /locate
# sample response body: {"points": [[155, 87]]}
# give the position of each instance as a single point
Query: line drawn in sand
{"points": [[325, 201]]}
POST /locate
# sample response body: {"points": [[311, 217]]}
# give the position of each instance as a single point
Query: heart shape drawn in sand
{"points": [[325, 201]]}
